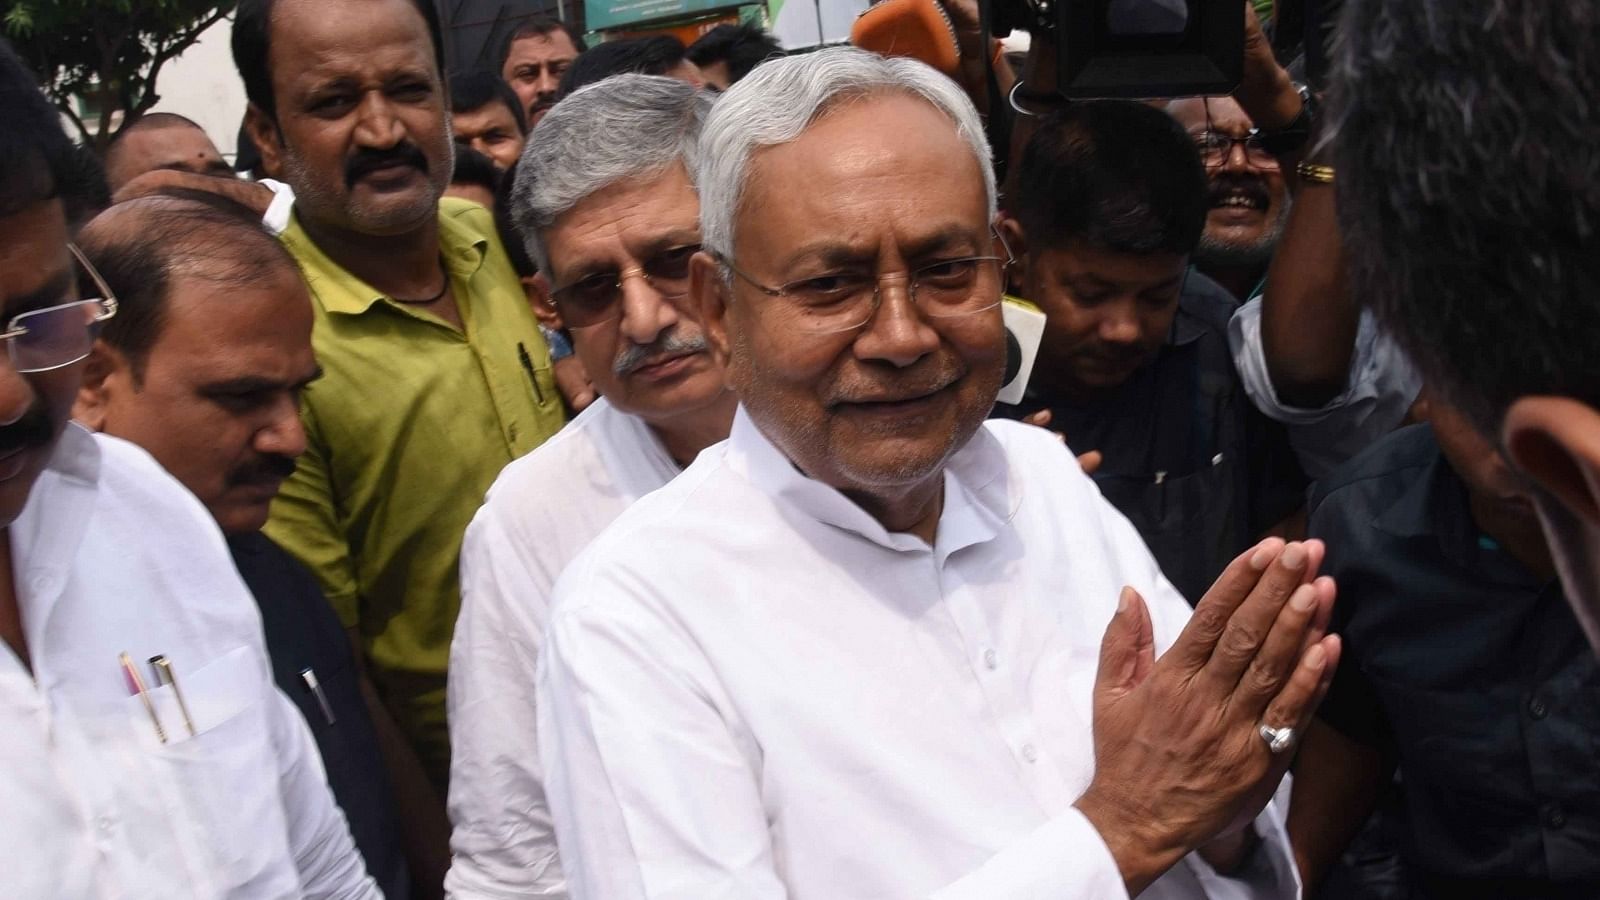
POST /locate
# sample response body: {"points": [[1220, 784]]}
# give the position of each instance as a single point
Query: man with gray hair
{"points": [[605, 201], [854, 650]]}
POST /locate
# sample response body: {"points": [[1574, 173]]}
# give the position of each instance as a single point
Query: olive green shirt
{"points": [[407, 428]]}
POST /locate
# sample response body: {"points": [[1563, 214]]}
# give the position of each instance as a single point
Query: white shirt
{"points": [[750, 689], [110, 554], [542, 510], [1378, 394]]}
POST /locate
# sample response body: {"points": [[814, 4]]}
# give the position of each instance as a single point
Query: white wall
{"points": [[203, 85]]}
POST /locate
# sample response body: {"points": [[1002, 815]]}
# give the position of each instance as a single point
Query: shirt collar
{"points": [[980, 497], [340, 292], [77, 456]]}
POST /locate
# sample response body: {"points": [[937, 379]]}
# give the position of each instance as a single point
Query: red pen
{"points": [[136, 686]]}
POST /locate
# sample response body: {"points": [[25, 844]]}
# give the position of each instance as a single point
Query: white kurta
{"points": [[112, 555], [751, 690], [542, 510]]}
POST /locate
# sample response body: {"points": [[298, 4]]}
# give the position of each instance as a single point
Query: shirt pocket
{"points": [[219, 784]]}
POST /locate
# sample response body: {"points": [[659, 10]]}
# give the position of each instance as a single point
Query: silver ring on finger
{"points": [[1278, 739]]}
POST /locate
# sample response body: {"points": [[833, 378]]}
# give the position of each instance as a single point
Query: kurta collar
{"points": [[980, 497]]}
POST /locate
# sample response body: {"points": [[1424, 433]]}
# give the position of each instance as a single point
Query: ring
{"points": [[1278, 739]]}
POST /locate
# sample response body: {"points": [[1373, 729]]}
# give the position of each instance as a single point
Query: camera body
{"points": [[1133, 49]]}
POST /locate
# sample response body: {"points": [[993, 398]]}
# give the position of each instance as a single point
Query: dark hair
{"points": [[204, 234], [85, 193], [741, 47], [479, 88], [507, 228], [473, 167], [36, 159], [1469, 190], [1115, 174], [655, 55], [252, 44], [535, 26]]}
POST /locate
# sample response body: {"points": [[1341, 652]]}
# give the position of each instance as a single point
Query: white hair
{"points": [[780, 98], [625, 126]]}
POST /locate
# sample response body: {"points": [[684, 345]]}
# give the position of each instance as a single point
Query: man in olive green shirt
{"points": [[434, 372]]}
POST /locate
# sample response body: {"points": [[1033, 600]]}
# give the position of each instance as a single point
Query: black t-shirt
{"points": [[1470, 673], [303, 633], [1191, 462]]}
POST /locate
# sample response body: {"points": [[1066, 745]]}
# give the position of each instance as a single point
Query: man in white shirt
{"points": [[604, 199], [146, 752], [854, 651]]}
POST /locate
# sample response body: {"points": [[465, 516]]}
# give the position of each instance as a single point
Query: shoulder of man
{"points": [[1380, 471], [1207, 301]]}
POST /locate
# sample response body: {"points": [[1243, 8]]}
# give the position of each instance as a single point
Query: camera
{"points": [[1134, 49]]}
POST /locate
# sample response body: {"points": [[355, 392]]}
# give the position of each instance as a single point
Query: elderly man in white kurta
{"points": [[856, 650]]}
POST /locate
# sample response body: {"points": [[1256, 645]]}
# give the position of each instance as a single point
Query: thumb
{"points": [[1127, 652]]}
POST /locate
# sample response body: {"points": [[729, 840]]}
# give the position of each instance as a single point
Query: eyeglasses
{"points": [[596, 299], [842, 301], [1216, 148], [58, 336]]}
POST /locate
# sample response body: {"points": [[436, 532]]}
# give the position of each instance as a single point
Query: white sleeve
{"points": [[319, 838], [1378, 393], [502, 843]]}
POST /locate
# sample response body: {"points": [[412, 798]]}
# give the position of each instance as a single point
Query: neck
{"points": [[1239, 280], [686, 435], [11, 632], [914, 510], [403, 265], [1515, 529]]}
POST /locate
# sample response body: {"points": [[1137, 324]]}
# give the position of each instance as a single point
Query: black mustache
{"points": [[266, 469], [34, 429], [1226, 184], [366, 161]]}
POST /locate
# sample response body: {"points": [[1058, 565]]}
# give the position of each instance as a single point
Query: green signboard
{"points": [[603, 14]]}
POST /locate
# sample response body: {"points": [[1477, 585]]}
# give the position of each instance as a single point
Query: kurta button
{"points": [[1030, 753], [1537, 708], [105, 824], [991, 659], [1553, 815]]}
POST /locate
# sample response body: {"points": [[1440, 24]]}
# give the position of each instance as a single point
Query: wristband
{"points": [[1315, 173]]}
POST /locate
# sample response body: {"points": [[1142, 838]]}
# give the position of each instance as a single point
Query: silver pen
{"points": [[310, 678]]}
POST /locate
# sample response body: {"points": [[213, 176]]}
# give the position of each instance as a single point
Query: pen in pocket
{"points": [[527, 363], [310, 678], [165, 676], [136, 686]]}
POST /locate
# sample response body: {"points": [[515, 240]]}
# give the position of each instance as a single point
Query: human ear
{"points": [[1556, 442], [96, 393], [1016, 241], [709, 292], [267, 136]]}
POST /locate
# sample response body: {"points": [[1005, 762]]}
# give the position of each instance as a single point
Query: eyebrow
{"points": [[249, 384], [831, 253], [51, 293], [588, 268]]}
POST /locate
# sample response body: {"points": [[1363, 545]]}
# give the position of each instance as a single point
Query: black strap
{"points": [[998, 126]]}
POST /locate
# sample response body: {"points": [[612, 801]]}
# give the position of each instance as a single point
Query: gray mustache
{"points": [[637, 355]]}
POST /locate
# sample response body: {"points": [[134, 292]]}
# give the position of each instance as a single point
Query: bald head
{"points": [[162, 141], [142, 247]]}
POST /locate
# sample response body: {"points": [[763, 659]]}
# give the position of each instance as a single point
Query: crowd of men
{"points": [[583, 477]]}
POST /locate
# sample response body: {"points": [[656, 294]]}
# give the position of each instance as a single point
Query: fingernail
{"points": [[1125, 599], [1305, 597], [1316, 658], [1262, 558], [1294, 556]]}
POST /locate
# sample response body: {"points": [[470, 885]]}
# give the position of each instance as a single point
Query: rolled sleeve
{"points": [[1381, 387]]}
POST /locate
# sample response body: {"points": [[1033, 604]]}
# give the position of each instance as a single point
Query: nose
{"points": [[645, 313], [1119, 323], [1236, 160], [897, 333], [377, 126], [285, 434], [547, 84]]}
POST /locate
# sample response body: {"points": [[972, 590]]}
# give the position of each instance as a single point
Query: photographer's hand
{"points": [[1265, 92], [976, 55]]}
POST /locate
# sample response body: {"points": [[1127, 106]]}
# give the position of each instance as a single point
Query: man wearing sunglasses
{"points": [[855, 650], [147, 752], [604, 200]]}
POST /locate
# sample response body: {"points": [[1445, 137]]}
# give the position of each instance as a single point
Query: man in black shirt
{"points": [[1463, 666], [1134, 362], [203, 368]]}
